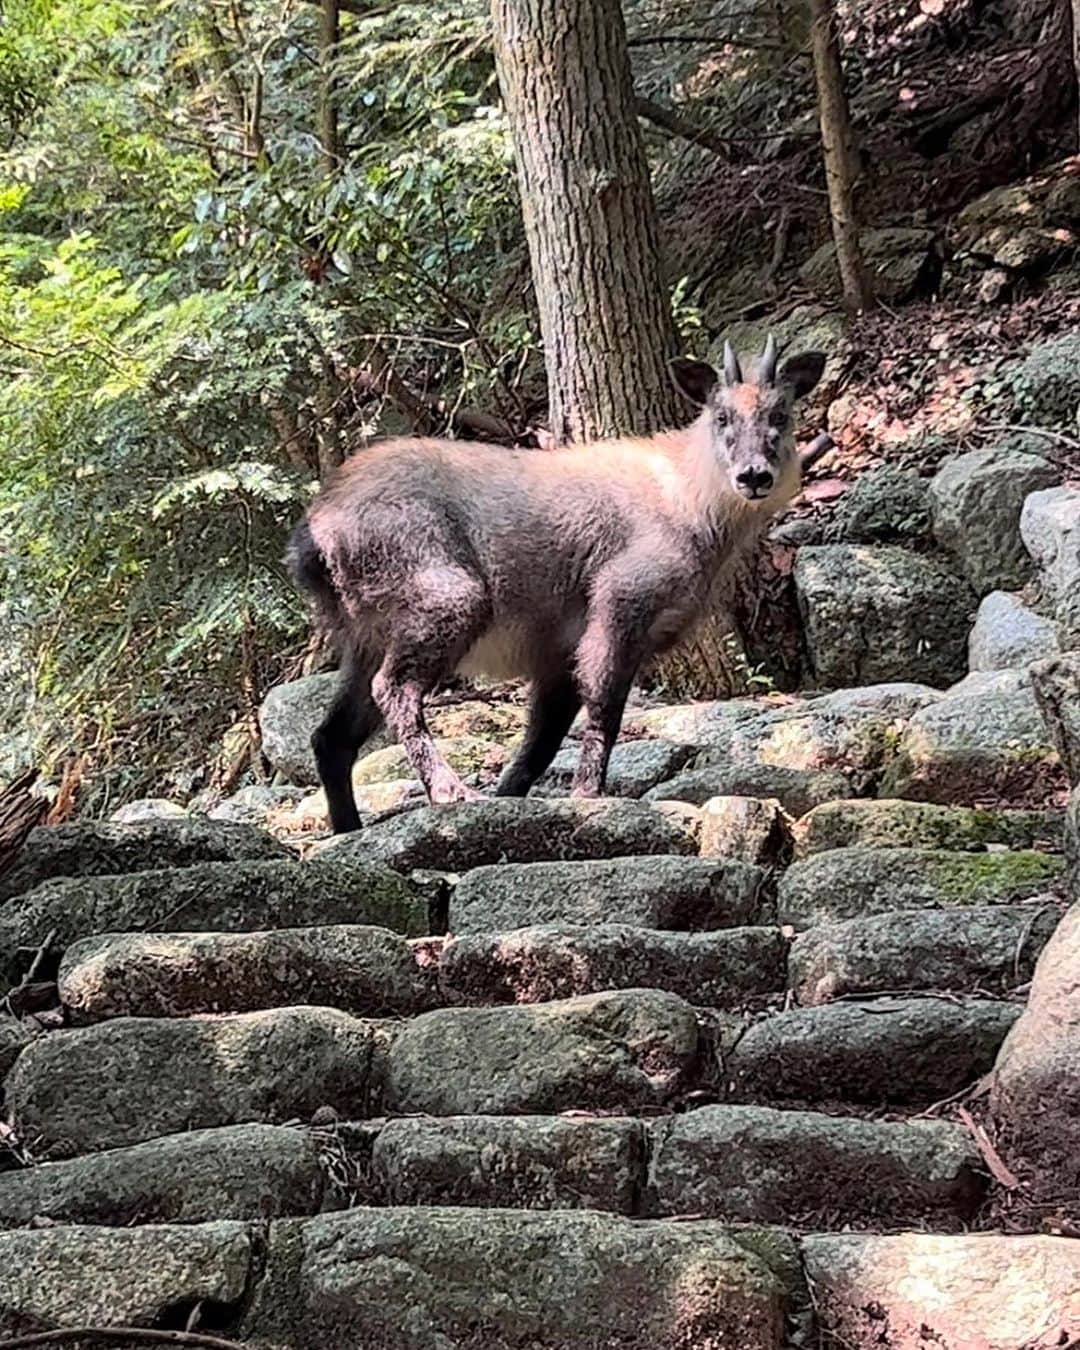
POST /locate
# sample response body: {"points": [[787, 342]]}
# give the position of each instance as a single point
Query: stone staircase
{"points": [[683, 1072]]}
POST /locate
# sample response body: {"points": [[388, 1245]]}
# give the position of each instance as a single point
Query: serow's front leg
{"points": [[607, 663]]}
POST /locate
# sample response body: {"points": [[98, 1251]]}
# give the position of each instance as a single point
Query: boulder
{"points": [[506, 829], [801, 1169], [900, 262], [1008, 634], [851, 731], [698, 725], [464, 1279], [986, 948], [94, 848], [1050, 526], [531, 965], [288, 717], [256, 804], [480, 718], [881, 613], [1056, 684], [895, 823], [985, 741], [635, 767], [851, 883], [797, 790], [1045, 385], [530, 1162], [146, 808], [362, 970], [652, 892], [15, 1036], [70, 1276], [469, 756], [237, 1172], [627, 1049], [1036, 1092], [750, 828], [132, 1079], [971, 1291], [900, 1050], [975, 504], [211, 897], [885, 505]]}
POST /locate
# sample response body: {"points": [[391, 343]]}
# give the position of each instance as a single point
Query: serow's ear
{"points": [[695, 379], [802, 372]]}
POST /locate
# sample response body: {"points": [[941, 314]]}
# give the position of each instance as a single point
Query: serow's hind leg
{"points": [[448, 612], [554, 705], [352, 719]]}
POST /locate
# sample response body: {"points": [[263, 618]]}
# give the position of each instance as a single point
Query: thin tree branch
{"points": [[133, 1335], [684, 127]]}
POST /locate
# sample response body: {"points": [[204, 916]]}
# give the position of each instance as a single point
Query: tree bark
{"points": [[329, 36], [838, 151], [590, 220], [1075, 14]]}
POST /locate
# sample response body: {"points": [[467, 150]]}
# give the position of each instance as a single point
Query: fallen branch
{"points": [[132, 1335], [1001, 1174], [684, 127]]}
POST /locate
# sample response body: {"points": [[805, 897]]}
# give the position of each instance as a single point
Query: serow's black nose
{"points": [[755, 482]]}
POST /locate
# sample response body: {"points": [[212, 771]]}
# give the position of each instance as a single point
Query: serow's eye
{"points": [[778, 418], [723, 417]]}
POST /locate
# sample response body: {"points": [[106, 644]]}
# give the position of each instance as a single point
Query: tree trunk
{"points": [[329, 35], [1075, 8], [590, 220], [838, 150]]}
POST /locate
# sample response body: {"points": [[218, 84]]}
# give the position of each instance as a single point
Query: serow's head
{"points": [[751, 420]]}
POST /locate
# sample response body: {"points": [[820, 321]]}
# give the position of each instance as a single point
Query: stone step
{"points": [[368, 972], [626, 1050], [811, 1171], [133, 1079], [469, 1279], [651, 892], [74, 1276], [237, 1172], [634, 768], [909, 1051], [955, 1292], [505, 829], [989, 949], [850, 883], [531, 1162], [797, 790], [96, 848], [211, 897], [892, 823], [529, 965]]}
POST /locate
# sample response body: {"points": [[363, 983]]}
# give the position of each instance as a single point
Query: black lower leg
{"points": [[350, 721], [554, 706]]}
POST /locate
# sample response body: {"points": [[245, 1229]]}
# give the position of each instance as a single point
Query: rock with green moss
{"points": [[458, 1278], [849, 883], [211, 897], [886, 505], [873, 614], [505, 829], [625, 1048], [853, 732], [99, 848], [15, 1036], [1046, 384], [74, 1276], [983, 948], [467, 755], [720, 969], [255, 1172], [757, 1164], [975, 504], [649, 892], [893, 823], [797, 790], [134, 1078], [902, 1050], [900, 262], [529, 1162], [985, 741]]}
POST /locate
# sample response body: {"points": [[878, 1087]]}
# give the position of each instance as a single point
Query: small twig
{"points": [[35, 965], [133, 1335], [1001, 1174]]}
